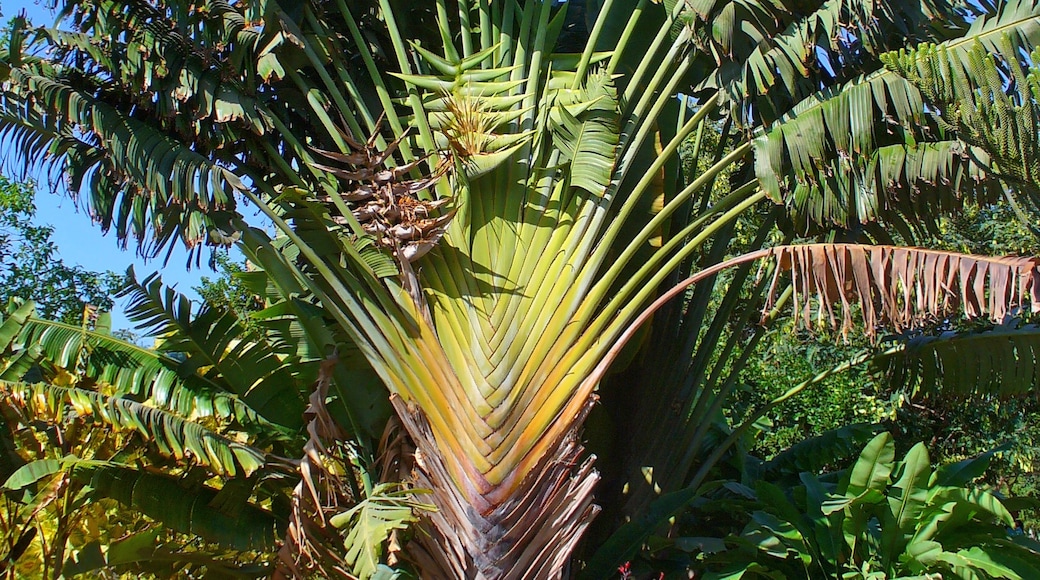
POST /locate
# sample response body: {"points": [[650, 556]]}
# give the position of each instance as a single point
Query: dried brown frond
{"points": [[901, 287], [312, 546]]}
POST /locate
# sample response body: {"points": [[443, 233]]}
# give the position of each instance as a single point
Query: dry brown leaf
{"points": [[900, 287], [312, 546]]}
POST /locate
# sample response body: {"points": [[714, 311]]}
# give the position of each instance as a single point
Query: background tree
{"points": [[30, 267], [228, 291]]}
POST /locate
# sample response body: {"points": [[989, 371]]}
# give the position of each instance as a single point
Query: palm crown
{"points": [[471, 222]]}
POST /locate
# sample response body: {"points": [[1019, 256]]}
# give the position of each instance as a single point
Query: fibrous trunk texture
{"points": [[530, 534]]}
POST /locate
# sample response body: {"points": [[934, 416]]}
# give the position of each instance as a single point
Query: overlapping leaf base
{"points": [[528, 535]]}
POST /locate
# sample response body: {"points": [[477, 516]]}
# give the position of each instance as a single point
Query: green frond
{"points": [[116, 101], [369, 524], [16, 362], [132, 370], [584, 124], [183, 508], [832, 162], [361, 395], [815, 453], [1004, 361], [173, 435], [781, 52], [968, 91], [137, 178], [217, 348]]}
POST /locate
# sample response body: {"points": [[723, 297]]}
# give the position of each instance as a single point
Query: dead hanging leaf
{"points": [[312, 547], [900, 287]]}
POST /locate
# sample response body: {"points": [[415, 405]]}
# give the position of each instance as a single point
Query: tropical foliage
{"points": [[476, 221], [883, 518], [173, 445]]}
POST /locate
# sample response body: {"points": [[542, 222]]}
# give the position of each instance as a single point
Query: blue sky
{"points": [[78, 239]]}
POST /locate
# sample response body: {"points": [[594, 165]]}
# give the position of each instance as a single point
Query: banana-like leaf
{"points": [[139, 153], [979, 501], [962, 472], [143, 552], [127, 156], [908, 524], [967, 88], [823, 158], [13, 323], [815, 453], [173, 435], [988, 561], [190, 510], [34, 472], [830, 163], [872, 469], [907, 498], [16, 362], [771, 55], [132, 370], [1002, 361], [182, 508], [369, 524]]}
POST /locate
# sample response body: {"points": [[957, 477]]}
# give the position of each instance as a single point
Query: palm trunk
{"points": [[530, 534]]}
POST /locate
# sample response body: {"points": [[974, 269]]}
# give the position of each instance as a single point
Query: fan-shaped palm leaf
{"points": [[549, 219]]}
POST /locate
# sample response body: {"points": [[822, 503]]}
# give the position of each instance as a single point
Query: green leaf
{"points": [[774, 536], [217, 347], [33, 472], [173, 435], [588, 138], [186, 509], [1003, 360], [13, 324], [907, 499], [925, 553], [370, 523], [873, 467], [986, 560], [815, 453], [979, 500]]}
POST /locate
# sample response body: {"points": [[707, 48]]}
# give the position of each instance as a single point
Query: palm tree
{"points": [[472, 222]]}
